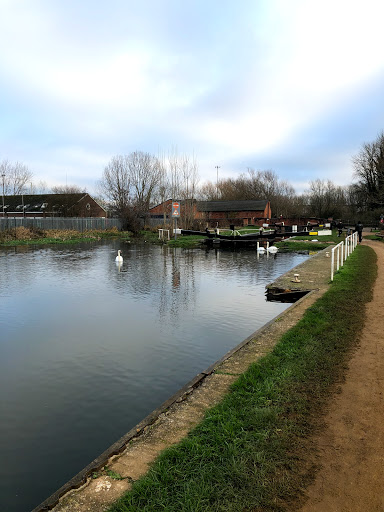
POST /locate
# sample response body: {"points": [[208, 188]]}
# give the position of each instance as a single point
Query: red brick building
{"points": [[213, 213]]}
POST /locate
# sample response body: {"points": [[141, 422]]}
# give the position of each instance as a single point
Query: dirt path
{"points": [[351, 449]]}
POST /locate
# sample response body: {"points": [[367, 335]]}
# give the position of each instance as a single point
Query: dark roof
{"points": [[180, 201], [231, 206], [41, 202]]}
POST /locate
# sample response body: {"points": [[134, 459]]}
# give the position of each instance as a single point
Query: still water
{"points": [[89, 348]]}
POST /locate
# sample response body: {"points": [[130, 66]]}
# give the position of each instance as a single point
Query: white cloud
{"points": [[234, 82]]}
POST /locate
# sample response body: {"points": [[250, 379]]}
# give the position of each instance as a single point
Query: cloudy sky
{"points": [[295, 86]]}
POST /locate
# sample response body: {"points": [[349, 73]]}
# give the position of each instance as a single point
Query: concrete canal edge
{"points": [[95, 489]]}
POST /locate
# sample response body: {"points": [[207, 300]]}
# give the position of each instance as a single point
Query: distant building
{"points": [[51, 205], [235, 212], [221, 213]]}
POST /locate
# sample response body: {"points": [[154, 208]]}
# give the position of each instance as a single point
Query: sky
{"points": [[295, 86]]}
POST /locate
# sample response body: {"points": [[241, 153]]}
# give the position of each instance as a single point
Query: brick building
{"points": [[213, 213]]}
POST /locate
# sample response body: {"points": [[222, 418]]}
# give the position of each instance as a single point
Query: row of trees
{"points": [[17, 179], [369, 170], [131, 184], [135, 182]]}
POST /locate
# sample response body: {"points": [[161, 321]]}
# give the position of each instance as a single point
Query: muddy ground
{"points": [[351, 448]]}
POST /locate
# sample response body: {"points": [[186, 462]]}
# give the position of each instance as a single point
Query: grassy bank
{"points": [[31, 236], [34, 236], [309, 242], [378, 237], [302, 245], [250, 452], [184, 241], [323, 238]]}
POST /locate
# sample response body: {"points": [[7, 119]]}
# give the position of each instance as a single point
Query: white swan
{"points": [[273, 249], [119, 258], [260, 249]]}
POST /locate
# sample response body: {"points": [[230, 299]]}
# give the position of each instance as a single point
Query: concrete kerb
{"points": [[119, 446]]}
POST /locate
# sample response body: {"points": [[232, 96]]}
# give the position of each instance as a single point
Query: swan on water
{"points": [[260, 249], [119, 257], [273, 249]]}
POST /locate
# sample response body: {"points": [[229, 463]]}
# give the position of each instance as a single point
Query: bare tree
{"points": [[327, 200], [15, 177], [267, 185], [256, 185], [179, 181], [145, 175], [40, 187], [369, 170], [189, 180], [163, 192], [67, 189], [115, 184], [207, 191]]}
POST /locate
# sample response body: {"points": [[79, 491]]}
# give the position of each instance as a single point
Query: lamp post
{"points": [[3, 176], [217, 167]]}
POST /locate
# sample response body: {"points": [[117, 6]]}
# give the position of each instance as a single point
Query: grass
{"points": [[250, 451], [27, 236], [324, 238], [290, 246], [186, 242], [374, 237], [33, 236], [305, 243]]}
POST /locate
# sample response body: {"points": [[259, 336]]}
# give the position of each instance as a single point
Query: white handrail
{"points": [[342, 250], [162, 233]]}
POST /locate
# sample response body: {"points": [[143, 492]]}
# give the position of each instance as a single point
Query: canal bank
{"points": [[95, 489]]}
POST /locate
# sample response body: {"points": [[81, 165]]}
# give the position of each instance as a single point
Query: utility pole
{"points": [[3, 176], [217, 167]]}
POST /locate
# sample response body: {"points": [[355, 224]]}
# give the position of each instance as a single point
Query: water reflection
{"points": [[89, 348]]}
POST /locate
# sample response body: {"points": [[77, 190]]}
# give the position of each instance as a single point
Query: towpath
{"points": [[351, 448]]}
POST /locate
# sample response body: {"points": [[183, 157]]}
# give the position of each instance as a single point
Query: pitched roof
{"points": [[231, 206], [41, 202]]}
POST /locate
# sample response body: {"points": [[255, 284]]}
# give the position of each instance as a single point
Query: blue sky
{"points": [[295, 86]]}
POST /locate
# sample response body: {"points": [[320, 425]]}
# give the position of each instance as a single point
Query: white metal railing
{"points": [[350, 244], [341, 252], [164, 233]]}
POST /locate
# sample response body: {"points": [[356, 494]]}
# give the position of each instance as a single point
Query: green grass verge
{"points": [[374, 237], [306, 243], [300, 246], [250, 451], [186, 242], [47, 241], [324, 238], [11, 238]]}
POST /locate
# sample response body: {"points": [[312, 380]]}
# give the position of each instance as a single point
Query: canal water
{"points": [[89, 348]]}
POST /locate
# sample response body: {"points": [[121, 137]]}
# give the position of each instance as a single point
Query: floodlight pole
{"points": [[3, 176], [217, 167]]}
